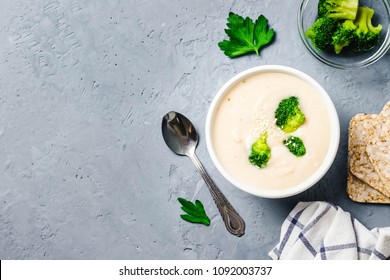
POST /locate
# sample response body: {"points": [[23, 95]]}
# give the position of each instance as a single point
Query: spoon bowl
{"points": [[179, 134]]}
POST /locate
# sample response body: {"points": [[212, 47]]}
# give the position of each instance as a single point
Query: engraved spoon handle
{"points": [[233, 222]]}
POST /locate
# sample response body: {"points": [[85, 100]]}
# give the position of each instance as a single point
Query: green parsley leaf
{"points": [[245, 36], [195, 212]]}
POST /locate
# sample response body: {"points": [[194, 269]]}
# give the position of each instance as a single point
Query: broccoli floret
{"points": [[367, 36], [321, 32], [288, 115], [338, 9], [261, 152], [343, 23], [344, 35], [295, 146]]}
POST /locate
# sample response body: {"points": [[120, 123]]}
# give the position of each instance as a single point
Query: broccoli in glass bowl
{"points": [[345, 33]]}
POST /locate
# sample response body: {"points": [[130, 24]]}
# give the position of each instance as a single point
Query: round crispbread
{"points": [[378, 148], [359, 191], [362, 128]]}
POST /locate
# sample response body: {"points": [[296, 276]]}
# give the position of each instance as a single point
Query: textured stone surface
{"points": [[84, 172]]}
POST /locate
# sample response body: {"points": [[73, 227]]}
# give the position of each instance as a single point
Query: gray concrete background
{"points": [[84, 171]]}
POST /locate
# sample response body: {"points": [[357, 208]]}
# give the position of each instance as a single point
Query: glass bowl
{"points": [[307, 14]]}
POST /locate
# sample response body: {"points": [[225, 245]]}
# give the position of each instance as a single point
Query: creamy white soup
{"points": [[248, 110]]}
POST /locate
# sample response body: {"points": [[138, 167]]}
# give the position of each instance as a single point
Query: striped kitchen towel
{"points": [[321, 230]]}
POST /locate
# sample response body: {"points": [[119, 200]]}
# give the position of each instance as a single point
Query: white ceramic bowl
{"points": [[332, 150]]}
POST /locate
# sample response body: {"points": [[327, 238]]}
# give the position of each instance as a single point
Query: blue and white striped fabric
{"points": [[320, 230]]}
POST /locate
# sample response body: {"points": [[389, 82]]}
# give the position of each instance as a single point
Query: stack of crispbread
{"points": [[369, 157]]}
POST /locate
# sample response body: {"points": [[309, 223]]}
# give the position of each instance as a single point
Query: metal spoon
{"points": [[180, 136]]}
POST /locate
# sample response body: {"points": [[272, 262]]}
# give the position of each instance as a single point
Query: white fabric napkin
{"points": [[321, 230]]}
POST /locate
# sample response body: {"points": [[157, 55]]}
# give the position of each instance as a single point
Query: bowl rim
{"points": [[334, 141], [382, 50]]}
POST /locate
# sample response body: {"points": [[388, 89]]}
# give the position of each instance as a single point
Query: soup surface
{"points": [[248, 110]]}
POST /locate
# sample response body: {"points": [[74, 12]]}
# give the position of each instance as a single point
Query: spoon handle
{"points": [[233, 222]]}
